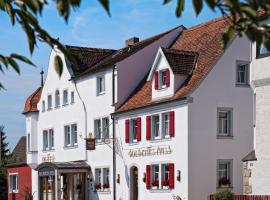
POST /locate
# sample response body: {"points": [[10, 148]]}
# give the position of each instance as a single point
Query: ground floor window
{"points": [[102, 179], [160, 176], [13, 183], [224, 173]]}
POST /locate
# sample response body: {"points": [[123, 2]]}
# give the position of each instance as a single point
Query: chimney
{"points": [[132, 41]]}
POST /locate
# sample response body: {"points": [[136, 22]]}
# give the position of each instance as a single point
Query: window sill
{"points": [[160, 190], [262, 55], [70, 147], [48, 150], [49, 109], [162, 89], [244, 85], [57, 107], [224, 188], [101, 93], [64, 105], [133, 143], [103, 191], [225, 137], [14, 192], [160, 140]]}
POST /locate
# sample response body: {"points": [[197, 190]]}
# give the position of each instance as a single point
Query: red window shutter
{"points": [[139, 135], [156, 80], [171, 175], [127, 131], [167, 77], [148, 127], [172, 124], [148, 177]]}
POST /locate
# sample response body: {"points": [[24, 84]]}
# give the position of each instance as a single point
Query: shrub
{"points": [[226, 195]]}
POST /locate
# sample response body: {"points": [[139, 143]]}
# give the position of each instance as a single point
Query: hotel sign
{"points": [[48, 158], [150, 151], [90, 144]]}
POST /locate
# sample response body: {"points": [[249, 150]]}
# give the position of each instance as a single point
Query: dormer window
{"points": [[162, 79]]}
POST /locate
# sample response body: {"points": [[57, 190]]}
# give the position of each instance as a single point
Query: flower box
{"points": [[165, 184], [224, 182], [155, 184], [98, 186], [106, 186]]}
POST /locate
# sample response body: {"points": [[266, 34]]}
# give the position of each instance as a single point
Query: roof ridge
{"points": [[177, 51], [89, 48], [206, 23]]}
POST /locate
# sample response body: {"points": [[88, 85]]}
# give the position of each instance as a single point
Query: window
{"points": [[72, 98], [262, 51], [163, 78], [165, 125], [101, 129], [65, 97], [71, 135], [155, 127], [224, 122], [161, 176], [48, 139], [57, 98], [102, 179], [100, 85], [28, 142], [133, 130], [224, 173], [13, 183], [49, 102], [242, 74], [43, 106]]}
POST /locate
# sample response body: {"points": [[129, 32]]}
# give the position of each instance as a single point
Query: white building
{"points": [[184, 132], [77, 105], [178, 106]]}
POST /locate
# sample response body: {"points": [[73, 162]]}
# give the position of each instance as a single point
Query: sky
{"points": [[88, 26]]}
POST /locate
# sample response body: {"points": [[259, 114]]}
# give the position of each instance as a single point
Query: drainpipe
{"points": [[113, 138]]}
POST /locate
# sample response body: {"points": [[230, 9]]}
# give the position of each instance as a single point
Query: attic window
{"points": [[162, 79]]}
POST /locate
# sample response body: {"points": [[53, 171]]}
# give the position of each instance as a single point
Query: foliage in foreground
{"points": [[224, 195]]}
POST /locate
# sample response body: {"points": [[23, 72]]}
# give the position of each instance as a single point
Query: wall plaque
{"points": [[150, 151]]}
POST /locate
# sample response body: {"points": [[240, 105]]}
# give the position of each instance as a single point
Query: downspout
{"points": [[85, 112], [113, 137]]}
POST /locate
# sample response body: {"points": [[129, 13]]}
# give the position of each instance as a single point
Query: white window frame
{"points": [[161, 175], [160, 79], [162, 126], [155, 136], [65, 97], [133, 130], [57, 101], [72, 97], [49, 138], [71, 135], [165, 122], [101, 131], [100, 179], [229, 112], [16, 190], [101, 87], [246, 73], [229, 173], [28, 142], [49, 101]]}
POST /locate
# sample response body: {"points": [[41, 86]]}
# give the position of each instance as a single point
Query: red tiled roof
{"points": [[18, 156], [32, 101], [205, 39]]}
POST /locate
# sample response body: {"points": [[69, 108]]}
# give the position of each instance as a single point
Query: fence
{"points": [[247, 197]]}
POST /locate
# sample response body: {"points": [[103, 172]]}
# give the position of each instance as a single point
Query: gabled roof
{"points": [[204, 39], [251, 156], [32, 101], [19, 153], [181, 62], [125, 52], [87, 57]]}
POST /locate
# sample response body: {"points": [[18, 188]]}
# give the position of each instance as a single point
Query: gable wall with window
{"points": [[218, 92], [177, 143]]}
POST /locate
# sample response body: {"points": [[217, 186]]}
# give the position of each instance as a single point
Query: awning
{"points": [[250, 157], [48, 168]]}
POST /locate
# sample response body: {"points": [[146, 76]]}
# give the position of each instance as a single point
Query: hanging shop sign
{"points": [[90, 144], [48, 158], [150, 151]]}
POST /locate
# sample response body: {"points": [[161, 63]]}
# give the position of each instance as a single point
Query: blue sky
{"points": [[88, 26]]}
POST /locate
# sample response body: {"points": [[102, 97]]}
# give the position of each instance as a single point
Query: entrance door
{"points": [[47, 188], [133, 183]]}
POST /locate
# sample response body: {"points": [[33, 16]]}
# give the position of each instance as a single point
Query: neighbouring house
{"points": [[19, 173], [184, 130], [176, 105], [257, 161]]}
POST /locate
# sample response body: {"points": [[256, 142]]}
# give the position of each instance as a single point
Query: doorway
{"points": [[47, 188], [134, 183]]}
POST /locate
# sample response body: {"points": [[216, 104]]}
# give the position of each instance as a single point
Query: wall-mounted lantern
{"points": [[118, 178], [178, 175]]}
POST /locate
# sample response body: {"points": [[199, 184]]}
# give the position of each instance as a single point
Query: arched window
{"points": [[57, 98]]}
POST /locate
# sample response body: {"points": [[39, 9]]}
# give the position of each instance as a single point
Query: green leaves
{"points": [[197, 5], [106, 5], [180, 7]]}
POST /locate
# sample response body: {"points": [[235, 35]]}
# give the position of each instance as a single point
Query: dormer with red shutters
{"points": [[170, 70]]}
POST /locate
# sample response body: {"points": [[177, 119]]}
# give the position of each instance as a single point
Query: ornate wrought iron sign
{"points": [[150, 151]]}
